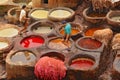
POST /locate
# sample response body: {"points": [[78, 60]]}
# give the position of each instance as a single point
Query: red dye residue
{"points": [[89, 43], [82, 64], [31, 42], [48, 68]]}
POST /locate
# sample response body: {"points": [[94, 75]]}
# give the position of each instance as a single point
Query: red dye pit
{"points": [[82, 64], [89, 43], [32, 41]]}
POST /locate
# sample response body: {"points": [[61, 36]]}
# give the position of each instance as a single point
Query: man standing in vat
{"points": [[23, 18], [67, 32]]}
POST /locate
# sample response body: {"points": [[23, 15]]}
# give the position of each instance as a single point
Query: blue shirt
{"points": [[67, 28]]}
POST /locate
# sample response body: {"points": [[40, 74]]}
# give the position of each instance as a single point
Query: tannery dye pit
{"points": [[39, 14], [82, 64], [31, 42], [58, 44], [23, 57], [89, 43], [8, 32]]}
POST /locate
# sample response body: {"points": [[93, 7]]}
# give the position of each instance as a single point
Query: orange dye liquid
{"points": [[91, 31], [73, 31]]}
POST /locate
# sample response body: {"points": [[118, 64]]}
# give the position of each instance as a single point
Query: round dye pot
{"points": [[5, 46], [20, 65], [89, 44], [9, 30], [21, 2], [83, 66], [5, 6], [61, 14], [44, 27], [54, 54], [32, 41], [116, 67], [93, 17], [76, 31], [113, 18], [57, 43], [82, 62], [13, 14], [38, 14]]}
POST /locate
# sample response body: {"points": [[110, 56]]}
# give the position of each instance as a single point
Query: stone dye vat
{"points": [[8, 30], [76, 31], [57, 43], [32, 41], [116, 66], [5, 46], [5, 5], [44, 27], [20, 65], [89, 44], [113, 18], [13, 14], [21, 2], [60, 14], [94, 17], [38, 14], [83, 66]]}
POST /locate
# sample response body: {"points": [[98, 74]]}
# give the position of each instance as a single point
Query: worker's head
{"points": [[24, 6], [64, 22]]}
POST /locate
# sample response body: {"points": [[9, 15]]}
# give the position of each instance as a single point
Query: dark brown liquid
{"points": [[93, 14], [23, 57]]}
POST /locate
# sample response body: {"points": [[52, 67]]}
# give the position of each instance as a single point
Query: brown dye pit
{"points": [[23, 57], [94, 14], [90, 32], [59, 44], [82, 64], [89, 43], [73, 31]]}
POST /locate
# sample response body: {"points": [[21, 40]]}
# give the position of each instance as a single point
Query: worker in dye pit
{"points": [[67, 32], [23, 16]]}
